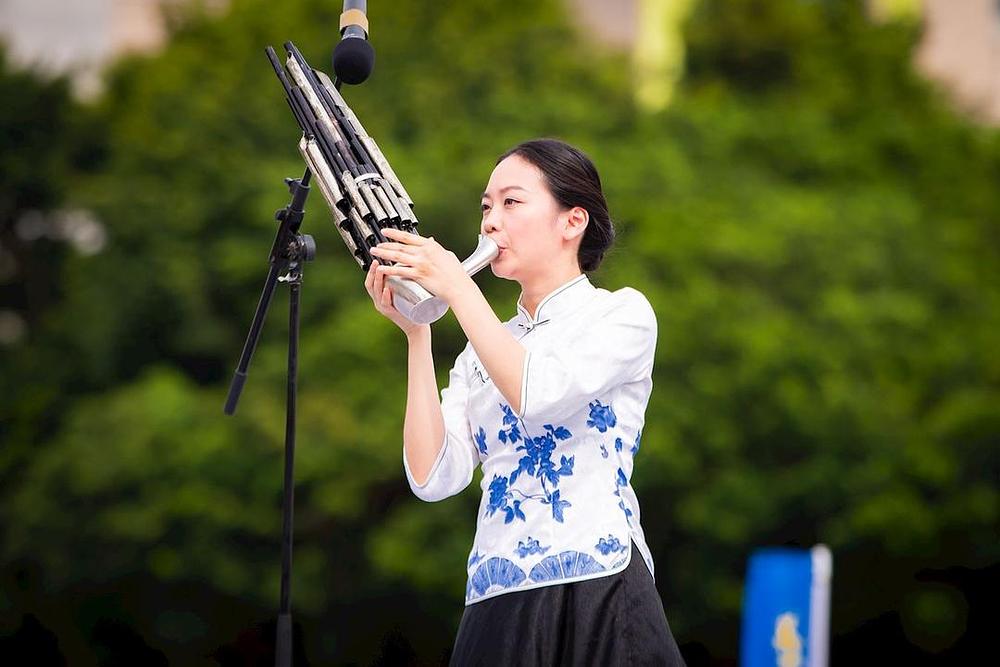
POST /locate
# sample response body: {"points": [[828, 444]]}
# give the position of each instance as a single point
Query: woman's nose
{"points": [[491, 222]]}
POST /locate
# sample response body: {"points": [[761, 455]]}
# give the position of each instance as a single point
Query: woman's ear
{"points": [[576, 223]]}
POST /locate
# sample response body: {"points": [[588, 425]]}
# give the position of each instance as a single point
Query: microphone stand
{"points": [[289, 253]]}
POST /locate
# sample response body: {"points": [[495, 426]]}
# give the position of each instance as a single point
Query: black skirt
{"points": [[608, 621]]}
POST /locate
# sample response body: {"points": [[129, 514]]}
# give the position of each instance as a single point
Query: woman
{"points": [[551, 403]]}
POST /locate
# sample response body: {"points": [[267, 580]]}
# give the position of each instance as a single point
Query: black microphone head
{"points": [[353, 60]]}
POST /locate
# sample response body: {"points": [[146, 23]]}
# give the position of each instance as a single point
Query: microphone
{"points": [[354, 57]]}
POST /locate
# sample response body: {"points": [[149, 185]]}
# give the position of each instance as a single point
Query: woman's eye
{"points": [[509, 201], [485, 207]]}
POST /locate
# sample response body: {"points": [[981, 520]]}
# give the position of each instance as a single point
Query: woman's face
{"points": [[525, 220]]}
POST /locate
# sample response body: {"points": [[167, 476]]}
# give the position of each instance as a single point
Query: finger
{"points": [[370, 275], [389, 245], [375, 284], [377, 281], [399, 270], [394, 255], [405, 237], [387, 297]]}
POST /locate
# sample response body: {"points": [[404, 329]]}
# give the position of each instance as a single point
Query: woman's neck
{"points": [[533, 291]]}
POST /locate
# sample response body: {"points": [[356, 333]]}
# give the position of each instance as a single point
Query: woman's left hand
{"points": [[423, 260]]}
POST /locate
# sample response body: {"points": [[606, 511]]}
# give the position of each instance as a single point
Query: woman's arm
{"points": [[439, 454], [423, 426], [501, 354]]}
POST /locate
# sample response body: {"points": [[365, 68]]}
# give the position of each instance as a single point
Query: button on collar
{"points": [[565, 298]]}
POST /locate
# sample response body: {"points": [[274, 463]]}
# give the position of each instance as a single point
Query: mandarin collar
{"points": [[562, 299]]}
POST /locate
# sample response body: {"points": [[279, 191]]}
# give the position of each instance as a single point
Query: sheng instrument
{"points": [[363, 192]]}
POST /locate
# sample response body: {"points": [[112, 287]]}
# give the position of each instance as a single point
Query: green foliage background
{"points": [[817, 231]]}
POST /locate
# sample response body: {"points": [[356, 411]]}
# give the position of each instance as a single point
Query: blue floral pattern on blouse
{"points": [[511, 433], [525, 549], [602, 417], [621, 480], [609, 545], [536, 463], [565, 565], [493, 575], [510, 495], [502, 499]]}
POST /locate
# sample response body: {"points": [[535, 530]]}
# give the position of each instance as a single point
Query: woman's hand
{"points": [[382, 298], [423, 260]]}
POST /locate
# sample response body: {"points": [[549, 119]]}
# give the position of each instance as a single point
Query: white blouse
{"points": [[557, 504]]}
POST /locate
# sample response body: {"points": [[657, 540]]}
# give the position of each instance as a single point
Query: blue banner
{"points": [[786, 608]]}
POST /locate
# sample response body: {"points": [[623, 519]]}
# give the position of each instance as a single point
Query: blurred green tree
{"points": [[49, 143]]}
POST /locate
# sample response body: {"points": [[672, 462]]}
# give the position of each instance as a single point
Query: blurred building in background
{"points": [[960, 50], [80, 37], [960, 47]]}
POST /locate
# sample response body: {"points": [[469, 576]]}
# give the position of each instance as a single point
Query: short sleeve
{"points": [[457, 459], [617, 347]]}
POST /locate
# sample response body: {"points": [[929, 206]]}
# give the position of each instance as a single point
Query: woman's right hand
{"points": [[381, 296]]}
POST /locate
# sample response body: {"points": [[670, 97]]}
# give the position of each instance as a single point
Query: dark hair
{"points": [[573, 181]]}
